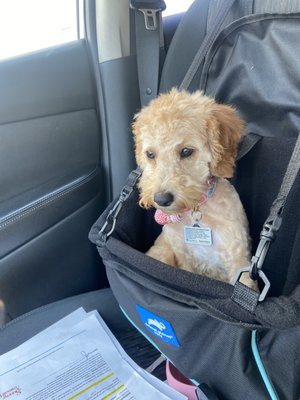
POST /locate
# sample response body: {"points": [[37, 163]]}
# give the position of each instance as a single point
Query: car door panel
{"points": [[51, 180], [44, 270]]}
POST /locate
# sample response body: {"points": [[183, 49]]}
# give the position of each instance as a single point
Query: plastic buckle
{"points": [[111, 219], [130, 184], [270, 228], [267, 235], [261, 275], [258, 259], [150, 10], [267, 284], [110, 223]]}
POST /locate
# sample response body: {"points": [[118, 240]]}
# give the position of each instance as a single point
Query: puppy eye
{"points": [[186, 152], [150, 154]]}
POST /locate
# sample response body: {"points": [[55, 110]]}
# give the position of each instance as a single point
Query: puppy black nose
{"points": [[164, 199]]}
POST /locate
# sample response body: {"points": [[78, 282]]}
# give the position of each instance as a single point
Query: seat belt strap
{"points": [[267, 236], [223, 10], [148, 27]]}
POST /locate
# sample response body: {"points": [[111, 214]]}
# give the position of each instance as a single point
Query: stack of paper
{"points": [[78, 357]]}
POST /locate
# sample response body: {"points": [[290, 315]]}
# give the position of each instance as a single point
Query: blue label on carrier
{"points": [[158, 326]]}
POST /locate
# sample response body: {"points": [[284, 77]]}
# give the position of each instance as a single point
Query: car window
{"points": [[176, 6], [30, 25]]}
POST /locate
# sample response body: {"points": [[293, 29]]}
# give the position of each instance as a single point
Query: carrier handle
{"points": [[110, 223]]}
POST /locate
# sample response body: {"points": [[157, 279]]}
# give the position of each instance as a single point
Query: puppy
{"points": [[186, 146]]}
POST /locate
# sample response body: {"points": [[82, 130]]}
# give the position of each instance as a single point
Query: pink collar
{"points": [[163, 218]]}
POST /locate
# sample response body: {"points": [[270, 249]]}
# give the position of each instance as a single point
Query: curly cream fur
{"points": [[170, 123]]}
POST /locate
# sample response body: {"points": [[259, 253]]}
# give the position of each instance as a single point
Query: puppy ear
{"points": [[225, 132]]}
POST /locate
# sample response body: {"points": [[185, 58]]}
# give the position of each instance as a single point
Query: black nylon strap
{"points": [[241, 294], [245, 297], [273, 222]]}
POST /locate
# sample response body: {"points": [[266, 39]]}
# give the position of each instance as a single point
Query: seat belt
{"points": [[242, 294], [148, 29]]}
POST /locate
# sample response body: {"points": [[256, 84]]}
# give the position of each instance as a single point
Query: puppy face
{"points": [[180, 140]]}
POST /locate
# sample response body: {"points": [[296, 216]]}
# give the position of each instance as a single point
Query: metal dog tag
{"points": [[197, 235]]}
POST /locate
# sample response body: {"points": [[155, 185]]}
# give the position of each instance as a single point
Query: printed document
{"points": [[77, 358]]}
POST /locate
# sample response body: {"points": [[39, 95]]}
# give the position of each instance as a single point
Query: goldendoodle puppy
{"points": [[186, 146]]}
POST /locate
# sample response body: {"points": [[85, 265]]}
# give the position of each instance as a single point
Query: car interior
{"points": [[66, 149]]}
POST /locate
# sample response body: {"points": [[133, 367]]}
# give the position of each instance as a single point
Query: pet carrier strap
{"points": [[223, 10], [111, 219], [148, 38], [242, 294]]}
